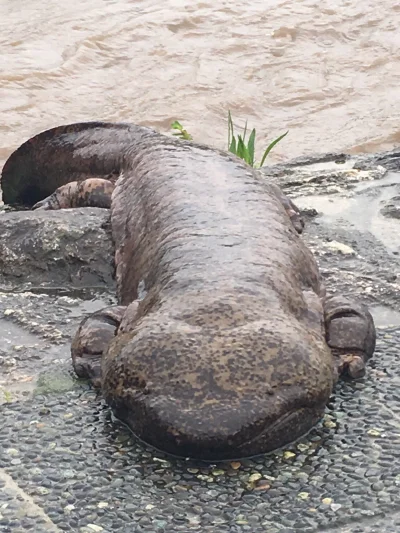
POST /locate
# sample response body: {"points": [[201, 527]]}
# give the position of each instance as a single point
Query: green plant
{"points": [[236, 144], [181, 132], [7, 395]]}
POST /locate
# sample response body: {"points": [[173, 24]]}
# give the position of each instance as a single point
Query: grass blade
{"points": [[245, 131], [250, 146], [267, 151], [232, 146], [241, 148], [231, 136]]}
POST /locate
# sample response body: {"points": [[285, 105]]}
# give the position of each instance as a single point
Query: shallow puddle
{"points": [[361, 210], [87, 307], [29, 363], [13, 335]]}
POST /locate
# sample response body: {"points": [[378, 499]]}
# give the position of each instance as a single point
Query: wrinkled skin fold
{"points": [[235, 348]]}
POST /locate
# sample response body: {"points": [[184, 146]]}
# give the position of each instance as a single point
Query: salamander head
{"points": [[217, 395]]}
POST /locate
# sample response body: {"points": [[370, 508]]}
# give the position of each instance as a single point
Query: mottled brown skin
{"points": [[234, 349], [92, 192]]}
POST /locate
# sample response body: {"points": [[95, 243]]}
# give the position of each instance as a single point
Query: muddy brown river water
{"points": [[328, 72]]}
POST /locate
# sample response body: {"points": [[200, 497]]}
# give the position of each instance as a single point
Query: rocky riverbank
{"points": [[65, 465]]}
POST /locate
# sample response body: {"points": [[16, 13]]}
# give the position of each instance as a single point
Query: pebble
{"points": [[102, 505], [93, 527], [255, 477], [288, 455], [262, 484], [12, 451], [303, 495]]}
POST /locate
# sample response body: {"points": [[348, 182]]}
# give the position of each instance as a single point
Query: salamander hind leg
{"points": [[350, 334], [92, 192]]}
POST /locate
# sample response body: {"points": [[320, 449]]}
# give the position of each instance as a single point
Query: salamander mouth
{"points": [[285, 430], [273, 436]]}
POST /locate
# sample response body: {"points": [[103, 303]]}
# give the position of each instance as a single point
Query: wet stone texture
{"points": [[65, 465], [66, 248]]}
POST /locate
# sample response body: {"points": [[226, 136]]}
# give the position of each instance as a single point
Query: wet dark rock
{"points": [[392, 208], [309, 213], [56, 248]]}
